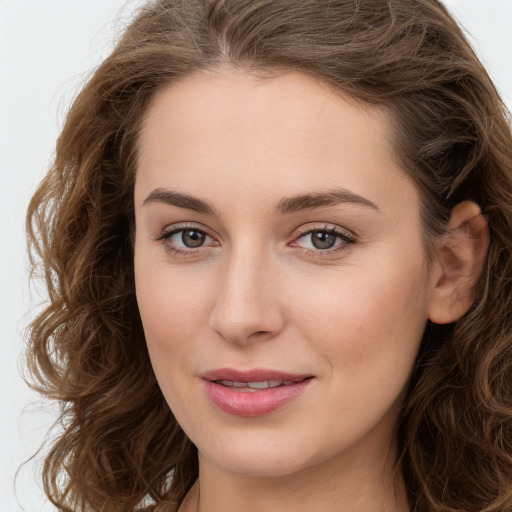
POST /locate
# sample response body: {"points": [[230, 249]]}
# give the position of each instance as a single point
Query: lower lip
{"points": [[253, 403]]}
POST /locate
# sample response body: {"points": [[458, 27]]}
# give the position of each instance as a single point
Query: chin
{"points": [[268, 456], [260, 465]]}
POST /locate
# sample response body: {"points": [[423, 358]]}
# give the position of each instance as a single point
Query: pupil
{"points": [[323, 240], [192, 238]]}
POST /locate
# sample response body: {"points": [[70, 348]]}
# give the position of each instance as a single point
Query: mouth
{"points": [[253, 380], [255, 392], [255, 386]]}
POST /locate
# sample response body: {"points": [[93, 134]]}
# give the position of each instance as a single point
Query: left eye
{"points": [[323, 239]]}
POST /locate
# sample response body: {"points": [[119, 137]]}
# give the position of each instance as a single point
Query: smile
{"points": [[255, 386], [253, 393]]}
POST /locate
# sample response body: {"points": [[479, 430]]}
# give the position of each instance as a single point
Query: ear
{"points": [[460, 260]]}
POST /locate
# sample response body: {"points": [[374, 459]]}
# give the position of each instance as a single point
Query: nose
{"points": [[247, 306]]}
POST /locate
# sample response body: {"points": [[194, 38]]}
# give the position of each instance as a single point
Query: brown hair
{"points": [[119, 442]]}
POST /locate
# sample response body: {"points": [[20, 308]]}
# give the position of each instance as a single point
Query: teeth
{"points": [[259, 385], [265, 384]]}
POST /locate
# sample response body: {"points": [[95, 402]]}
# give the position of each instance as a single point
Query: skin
{"points": [[259, 294]]}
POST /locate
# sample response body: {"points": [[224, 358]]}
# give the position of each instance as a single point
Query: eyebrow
{"points": [[162, 195], [285, 206], [319, 199]]}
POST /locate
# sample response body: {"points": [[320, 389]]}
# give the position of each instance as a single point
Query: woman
{"points": [[276, 239]]}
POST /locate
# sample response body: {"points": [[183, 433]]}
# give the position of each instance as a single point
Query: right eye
{"points": [[186, 240]]}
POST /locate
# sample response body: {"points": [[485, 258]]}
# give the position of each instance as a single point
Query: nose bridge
{"points": [[247, 304]]}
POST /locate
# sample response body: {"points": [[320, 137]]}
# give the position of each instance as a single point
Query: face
{"points": [[280, 273]]}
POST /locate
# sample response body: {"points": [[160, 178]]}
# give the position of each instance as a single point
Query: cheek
{"points": [[172, 313], [171, 316], [368, 320]]}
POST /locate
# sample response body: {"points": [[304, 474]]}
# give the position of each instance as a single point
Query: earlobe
{"points": [[461, 257]]}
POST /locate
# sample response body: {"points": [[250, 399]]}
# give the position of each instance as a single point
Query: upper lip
{"points": [[254, 375]]}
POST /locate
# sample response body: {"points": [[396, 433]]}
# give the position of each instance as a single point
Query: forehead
{"points": [[264, 103], [274, 135]]}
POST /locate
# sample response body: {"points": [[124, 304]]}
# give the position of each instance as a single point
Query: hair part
{"points": [[120, 443]]}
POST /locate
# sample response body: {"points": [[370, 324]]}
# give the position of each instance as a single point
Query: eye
{"points": [[326, 239], [323, 239], [191, 238], [186, 240]]}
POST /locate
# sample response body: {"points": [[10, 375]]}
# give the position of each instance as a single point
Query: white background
{"points": [[47, 49]]}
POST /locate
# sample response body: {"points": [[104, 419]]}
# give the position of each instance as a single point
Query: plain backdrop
{"points": [[47, 50]]}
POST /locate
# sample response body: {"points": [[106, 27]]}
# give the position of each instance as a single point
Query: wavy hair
{"points": [[119, 444]]}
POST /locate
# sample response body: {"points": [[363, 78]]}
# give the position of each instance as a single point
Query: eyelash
{"points": [[346, 240]]}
